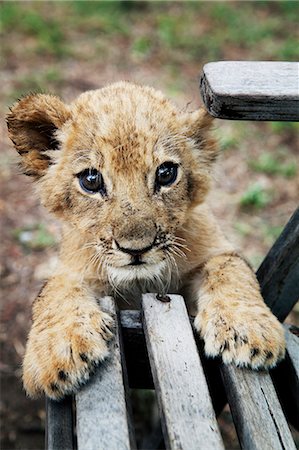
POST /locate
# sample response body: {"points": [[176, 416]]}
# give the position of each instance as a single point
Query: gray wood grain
{"points": [[278, 274], [292, 341], [59, 424], [251, 395], [251, 90], [139, 371], [285, 376], [256, 411], [187, 415], [59, 414], [102, 416], [138, 365]]}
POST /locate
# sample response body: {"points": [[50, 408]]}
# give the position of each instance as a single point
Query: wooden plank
{"points": [[278, 274], [292, 341], [258, 417], [138, 366], [59, 424], [255, 90], [251, 395], [286, 377], [102, 417], [188, 419]]}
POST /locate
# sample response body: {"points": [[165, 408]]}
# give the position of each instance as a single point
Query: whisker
{"points": [[115, 288], [172, 250], [179, 238], [178, 244], [172, 267], [177, 251]]}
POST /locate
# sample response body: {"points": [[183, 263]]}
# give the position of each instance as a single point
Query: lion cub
{"points": [[127, 173]]}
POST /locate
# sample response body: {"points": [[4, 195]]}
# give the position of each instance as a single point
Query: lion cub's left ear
{"points": [[32, 126], [197, 125]]}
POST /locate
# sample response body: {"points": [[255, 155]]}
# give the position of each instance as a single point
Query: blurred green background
{"points": [[69, 47]]}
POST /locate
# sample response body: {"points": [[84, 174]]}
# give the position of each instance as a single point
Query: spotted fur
{"points": [[126, 132]]}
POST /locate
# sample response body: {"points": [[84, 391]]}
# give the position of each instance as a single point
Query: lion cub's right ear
{"points": [[33, 123]]}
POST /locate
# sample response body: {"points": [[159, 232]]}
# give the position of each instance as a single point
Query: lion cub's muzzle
{"points": [[135, 238], [136, 253]]}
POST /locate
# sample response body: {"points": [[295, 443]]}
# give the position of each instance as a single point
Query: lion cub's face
{"points": [[120, 165]]}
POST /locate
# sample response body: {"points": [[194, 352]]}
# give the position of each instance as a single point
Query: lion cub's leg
{"points": [[68, 338], [232, 317]]}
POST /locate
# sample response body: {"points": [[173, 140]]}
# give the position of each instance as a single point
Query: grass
{"points": [[48, 33], [230, 135], [244, 229], [256, 260], [255, 197], [282, 127], [45, 80], [271, 165], [195, 28], [142, 47], [35, 237], [271, 233]]}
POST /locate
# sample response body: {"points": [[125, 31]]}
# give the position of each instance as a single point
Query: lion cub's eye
{"points": [[166, 174], [92, 181]]}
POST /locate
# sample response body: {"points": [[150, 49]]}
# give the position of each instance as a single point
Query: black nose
{"points": [[134, 251]]}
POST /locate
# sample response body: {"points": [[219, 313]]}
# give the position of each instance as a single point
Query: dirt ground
{"points": [[66, 48]]}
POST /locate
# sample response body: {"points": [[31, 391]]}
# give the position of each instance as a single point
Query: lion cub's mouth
{"points": [[136, 256], [136, 261]]}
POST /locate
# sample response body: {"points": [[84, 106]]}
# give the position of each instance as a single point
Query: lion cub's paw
{"points": [[245, 339], [60, 358]]}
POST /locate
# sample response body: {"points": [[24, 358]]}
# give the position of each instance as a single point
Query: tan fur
{"points": [[126, 131]]}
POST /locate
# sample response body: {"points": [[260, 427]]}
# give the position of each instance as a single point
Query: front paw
{"points": [[60, 357], [252, 339]]}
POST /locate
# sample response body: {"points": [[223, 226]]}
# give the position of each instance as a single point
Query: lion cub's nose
{"points": [[134, 237], [135, 251]]}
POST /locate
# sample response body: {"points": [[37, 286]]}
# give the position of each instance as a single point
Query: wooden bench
{"points": [[156, 347]]}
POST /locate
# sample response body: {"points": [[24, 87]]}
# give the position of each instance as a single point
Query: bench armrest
{"points": [[256, 90]]}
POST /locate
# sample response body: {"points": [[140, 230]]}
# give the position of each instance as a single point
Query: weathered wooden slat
{"points": [[257, 414], [251, 395], [251, 90], [59, 424], [286, 377], [138, 366], [102, 412], [187, 415], [278, 274], [59, 414], [254, 382], [292, 341]]}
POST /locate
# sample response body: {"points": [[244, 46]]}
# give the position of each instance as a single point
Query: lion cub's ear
{"points": [[197, 125], [32, 126]]}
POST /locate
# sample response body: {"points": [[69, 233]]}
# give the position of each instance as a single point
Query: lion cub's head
{"points": [[122, 166]]}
